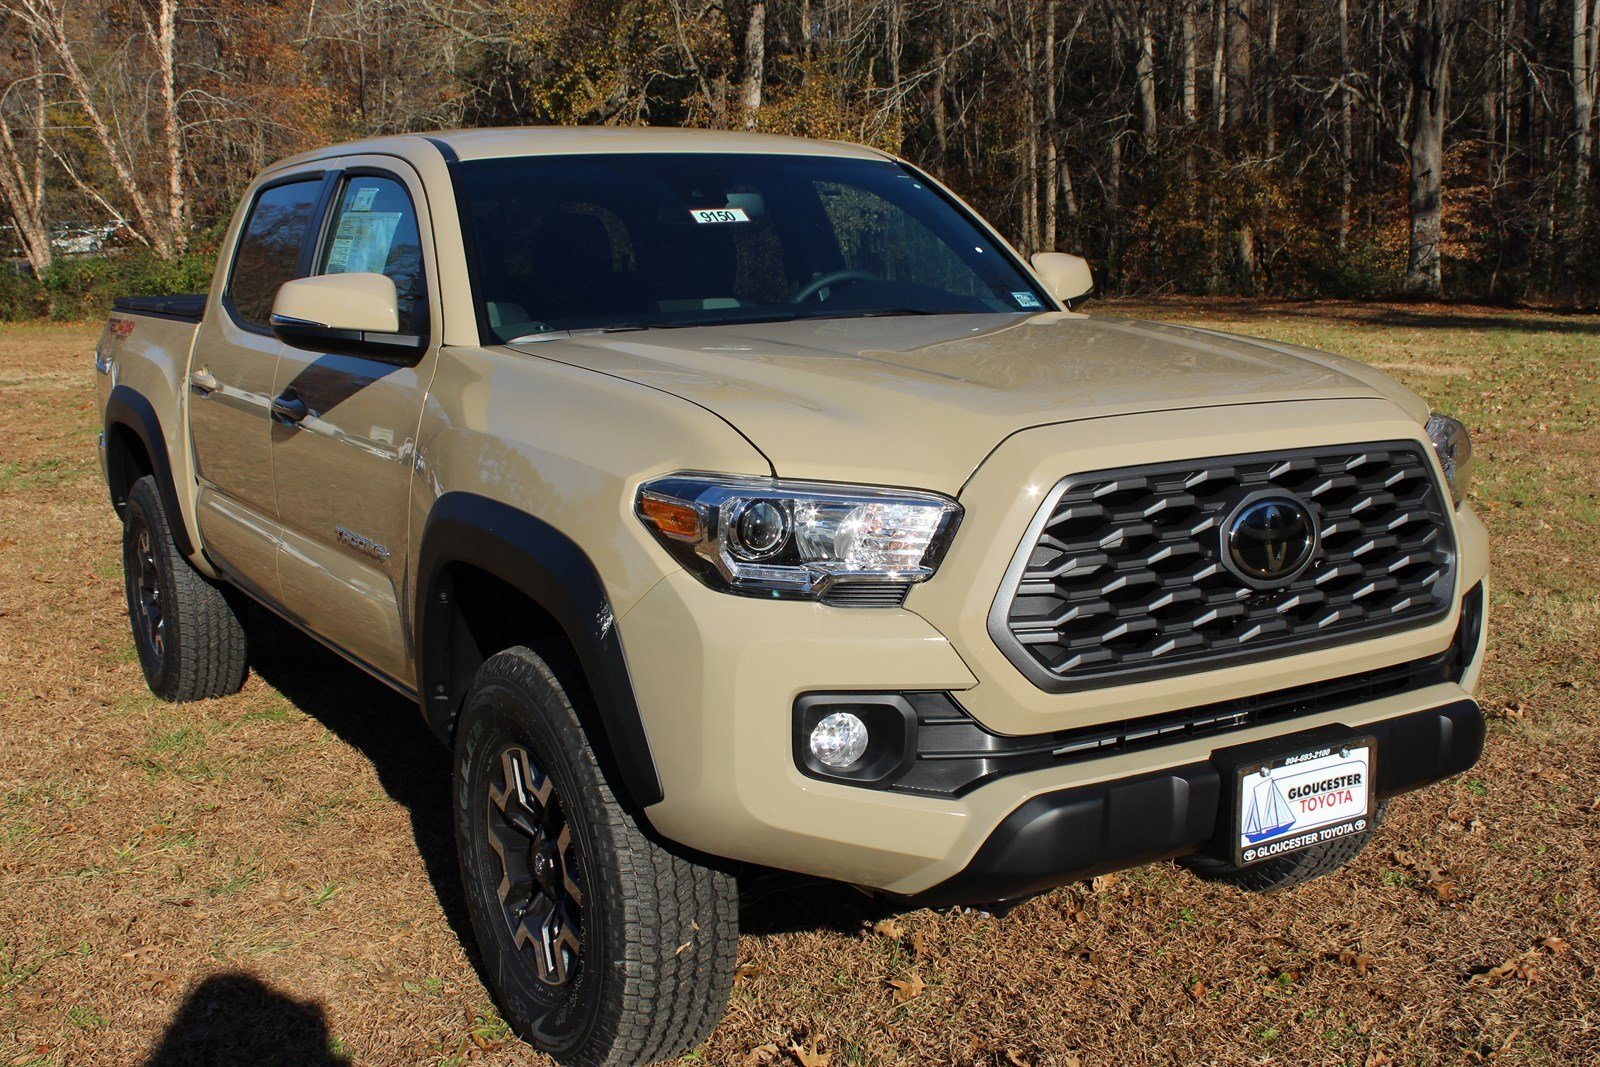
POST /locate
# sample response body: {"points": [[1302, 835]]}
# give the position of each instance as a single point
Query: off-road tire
{"points": [[659, 933], [1287, 871], [199, 649]]}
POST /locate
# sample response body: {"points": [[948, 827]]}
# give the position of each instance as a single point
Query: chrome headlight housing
{"points": [[1454, 446], [772, 538]]}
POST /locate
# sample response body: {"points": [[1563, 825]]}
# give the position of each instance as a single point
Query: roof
{"points": [[506, 141]]}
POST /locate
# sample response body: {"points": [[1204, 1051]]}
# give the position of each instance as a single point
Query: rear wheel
{"points": [[1291, 870], [186, 628], [603, 946]]}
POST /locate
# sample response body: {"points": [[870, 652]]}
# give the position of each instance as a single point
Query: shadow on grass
{"points": [[234, 1018], [386, 728]]}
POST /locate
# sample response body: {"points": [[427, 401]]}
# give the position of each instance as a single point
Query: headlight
{"points": [[764, 537], [1454, 445]]}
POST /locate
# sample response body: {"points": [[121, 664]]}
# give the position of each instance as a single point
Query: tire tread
{"points": [[207, 648]]}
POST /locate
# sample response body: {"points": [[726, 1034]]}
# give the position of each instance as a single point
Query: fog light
{"points": [[839, 739]]}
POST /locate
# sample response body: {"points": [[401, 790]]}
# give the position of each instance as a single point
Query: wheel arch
{"points": [[135, 447], [489, 576]]}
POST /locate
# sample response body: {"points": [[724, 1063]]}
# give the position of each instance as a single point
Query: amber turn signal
{"points": [[671, 517]]}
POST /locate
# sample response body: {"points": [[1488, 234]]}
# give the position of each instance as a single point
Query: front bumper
{"points": [[1072, 834], [716, 677]]}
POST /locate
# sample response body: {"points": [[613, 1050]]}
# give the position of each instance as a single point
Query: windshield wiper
{"points": [[676, 324], [883, 313]]}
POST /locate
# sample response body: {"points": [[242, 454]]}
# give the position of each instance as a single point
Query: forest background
{"points": [[1365, 148]]}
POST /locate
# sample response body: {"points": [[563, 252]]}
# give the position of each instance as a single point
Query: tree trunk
{"points": [[1051, 163], [1238, 63], [1145, 76], [1191, 95], [755, 60], [1269, 88], [1429, 60], [163, 39], [1345, 138], [1219, 62], [1582, 96], [1030, 158], [893, 17]]}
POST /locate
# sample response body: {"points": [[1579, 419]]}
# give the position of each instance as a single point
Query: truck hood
{"points": [[920, 401]]}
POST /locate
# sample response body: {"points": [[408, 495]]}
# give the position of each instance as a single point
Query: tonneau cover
{"points": [[181, 306]]}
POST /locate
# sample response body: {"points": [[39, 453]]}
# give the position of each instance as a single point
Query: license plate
{"points": [[1307, 798]]}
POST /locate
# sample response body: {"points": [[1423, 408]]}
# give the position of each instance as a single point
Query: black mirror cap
{"points": [[401, 349]]}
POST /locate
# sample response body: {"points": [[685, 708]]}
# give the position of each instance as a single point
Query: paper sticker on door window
{"points": [[1026, 300], [361, 243], [719, 214], [364, 198]]}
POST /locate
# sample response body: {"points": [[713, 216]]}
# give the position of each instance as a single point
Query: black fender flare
{"points": [[550, 569], [130, 409]]}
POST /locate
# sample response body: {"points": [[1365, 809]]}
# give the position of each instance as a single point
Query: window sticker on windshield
{"points": [[719, 214], [1027, 300]]}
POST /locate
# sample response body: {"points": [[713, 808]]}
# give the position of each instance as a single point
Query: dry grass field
{"points": [[269, 878]]}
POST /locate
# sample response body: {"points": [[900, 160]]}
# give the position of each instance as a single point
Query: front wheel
{"points": [[603, 946]]}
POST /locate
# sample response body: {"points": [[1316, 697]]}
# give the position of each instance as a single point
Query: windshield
{"points": [[638, 241]]}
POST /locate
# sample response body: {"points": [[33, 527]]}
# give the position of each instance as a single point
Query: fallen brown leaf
{"points": [[1361, 961], [1555, 945], [761, 1054], [889, 928], [1014, 1058], [809, 1056], [908, 987], [919, 947]]}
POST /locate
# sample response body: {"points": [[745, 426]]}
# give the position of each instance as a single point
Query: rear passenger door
{"points": [[343, 472], [231, 381]]}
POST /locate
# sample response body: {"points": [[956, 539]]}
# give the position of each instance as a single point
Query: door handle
{"points": [[203, 382], [288, 407]]}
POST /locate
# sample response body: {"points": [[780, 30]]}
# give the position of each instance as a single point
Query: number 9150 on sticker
{"points": [[718, 214]]}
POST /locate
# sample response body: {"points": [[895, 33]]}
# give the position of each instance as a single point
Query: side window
{"points": [[374, 231], [269, 250]]}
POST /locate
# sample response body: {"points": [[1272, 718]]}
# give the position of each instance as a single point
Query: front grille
{"points": [[1121, 575]]}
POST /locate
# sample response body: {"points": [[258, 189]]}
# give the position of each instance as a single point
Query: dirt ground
{"points": [[269, 878]]}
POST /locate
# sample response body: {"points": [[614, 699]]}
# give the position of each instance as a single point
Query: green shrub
{"points": [[81, 288]]}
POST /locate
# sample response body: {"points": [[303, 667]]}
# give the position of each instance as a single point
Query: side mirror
{"points": [[1068, 278], [346, 314]]}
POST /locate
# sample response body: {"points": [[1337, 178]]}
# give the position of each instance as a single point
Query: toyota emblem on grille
{"points": [[1269, 539]]}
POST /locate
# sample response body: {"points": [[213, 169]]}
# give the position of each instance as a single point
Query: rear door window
{"points": [[269, 250]]}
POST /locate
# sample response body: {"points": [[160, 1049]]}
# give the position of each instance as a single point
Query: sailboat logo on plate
{"points": [[1304, 800]]}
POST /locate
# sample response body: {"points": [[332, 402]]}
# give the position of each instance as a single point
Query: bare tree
{"points": [[22, 157], [755, 59], [1431, 35], [1584, 18]]}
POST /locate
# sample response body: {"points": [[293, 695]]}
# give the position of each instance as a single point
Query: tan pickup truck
{"points": [[733, 504]]}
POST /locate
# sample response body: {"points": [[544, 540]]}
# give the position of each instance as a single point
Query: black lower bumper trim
{"points": [[1072, 834]]}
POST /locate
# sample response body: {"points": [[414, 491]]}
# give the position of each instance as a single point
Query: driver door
{"points": [[343, 469]]}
